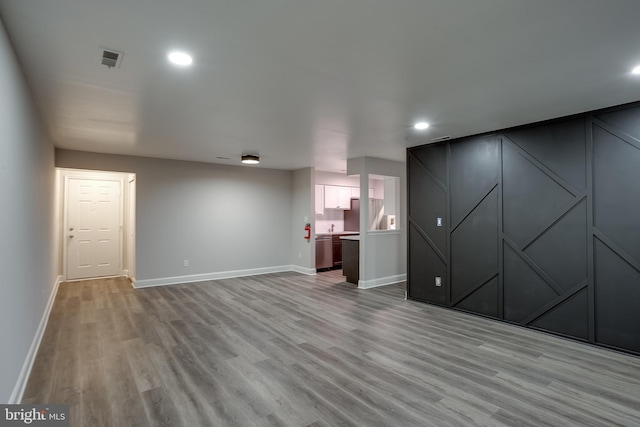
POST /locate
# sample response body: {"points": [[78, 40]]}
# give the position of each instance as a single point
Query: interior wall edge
{"points": [[18, 390]]}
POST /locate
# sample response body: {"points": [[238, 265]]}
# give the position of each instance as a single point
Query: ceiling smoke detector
{"points": [[111, 58]]}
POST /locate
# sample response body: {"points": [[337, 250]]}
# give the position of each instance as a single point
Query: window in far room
{"points": [[384, 202]]}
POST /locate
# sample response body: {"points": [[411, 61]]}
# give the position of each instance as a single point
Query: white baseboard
{"points": [[303, 270], [21, 384], [381, 281], [132, 279], [176, 280]]}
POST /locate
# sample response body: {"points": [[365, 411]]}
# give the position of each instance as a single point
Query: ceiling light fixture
{"points": [[421, 126], [180, 58], [636, 70], [250, 159]]}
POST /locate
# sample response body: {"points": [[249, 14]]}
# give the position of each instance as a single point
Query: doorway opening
{"points": [[96, 223]]}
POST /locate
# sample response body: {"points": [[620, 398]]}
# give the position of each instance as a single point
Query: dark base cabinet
{"points": [[351, 260], [540, 226], [337, 251], [329, 251]]}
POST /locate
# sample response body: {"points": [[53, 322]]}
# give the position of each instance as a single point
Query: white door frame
{"points": [[129, 269], [91, 175]]}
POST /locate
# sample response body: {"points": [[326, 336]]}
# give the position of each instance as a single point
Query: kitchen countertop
{"points": [[338, 232]]}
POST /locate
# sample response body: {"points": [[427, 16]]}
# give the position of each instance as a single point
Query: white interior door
{"points": [[93, 229]]}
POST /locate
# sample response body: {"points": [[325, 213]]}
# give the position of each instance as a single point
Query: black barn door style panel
{"points": [[427, 240], [616, 227], [541, 226], [474, 230]]}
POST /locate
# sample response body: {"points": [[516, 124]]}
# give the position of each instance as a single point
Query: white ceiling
{"points": [[314, 82]]}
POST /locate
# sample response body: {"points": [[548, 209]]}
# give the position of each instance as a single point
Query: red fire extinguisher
{"points": [[307, 231]]}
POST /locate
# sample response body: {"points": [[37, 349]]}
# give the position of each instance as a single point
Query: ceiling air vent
{"points": [[111, 58]]}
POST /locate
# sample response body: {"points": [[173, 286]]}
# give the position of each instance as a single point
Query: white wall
{"points": [[26, 225], [226, 220], [330, 217], [391, 195], [332, 178], [383, 254], [378, 186], [303, 251]]}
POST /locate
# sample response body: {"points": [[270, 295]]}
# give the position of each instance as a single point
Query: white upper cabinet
{"points": [[319, 207], [337, 197], [344, 197]]}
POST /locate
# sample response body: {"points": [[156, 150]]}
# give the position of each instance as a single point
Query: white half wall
{"points": [[27, 179], [218, 218], [383, 254]]}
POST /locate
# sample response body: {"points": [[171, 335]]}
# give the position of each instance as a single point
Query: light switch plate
{"points": [[439, 222], [438, 281]]}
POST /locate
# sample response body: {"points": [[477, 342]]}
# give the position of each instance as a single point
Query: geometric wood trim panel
{"points": [[541, 226]]}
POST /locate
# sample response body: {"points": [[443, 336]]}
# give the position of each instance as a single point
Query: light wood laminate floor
{"points": [[289, 349]]}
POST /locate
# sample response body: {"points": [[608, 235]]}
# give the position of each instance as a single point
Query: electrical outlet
{"points": [[438, 281], [185, 263], [300, 255]]}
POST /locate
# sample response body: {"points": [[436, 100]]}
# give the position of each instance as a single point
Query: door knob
{"points": [[70, 228]]}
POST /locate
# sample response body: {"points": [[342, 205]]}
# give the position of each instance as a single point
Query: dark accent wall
{"points": [[541, 226]]}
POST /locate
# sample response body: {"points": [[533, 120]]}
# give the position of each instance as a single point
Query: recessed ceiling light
{"points": [[421, 126], [180, 58], [250, 159], [636, 70]]}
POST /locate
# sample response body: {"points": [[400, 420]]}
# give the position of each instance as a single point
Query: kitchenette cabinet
{"points": [[329, 249], [351, 258], [336, 197], [324, 252], [337, 251]]}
